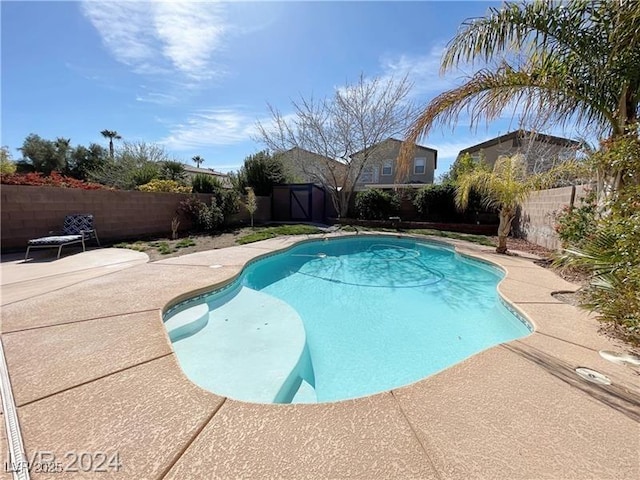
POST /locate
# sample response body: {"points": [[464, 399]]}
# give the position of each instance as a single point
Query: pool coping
{"points": [[424, 452]]}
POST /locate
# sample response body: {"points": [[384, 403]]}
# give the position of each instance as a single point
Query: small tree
{"points": [[504, 188], [135, 163], [261, 171], [44, 156], [252, 204], [354, 120], [463, 164], [83, 160], [7, 166]]}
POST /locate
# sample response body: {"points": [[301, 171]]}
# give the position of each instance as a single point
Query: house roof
{"points": [[391, 139], [206, 171], [519, 135], [309, 152]]}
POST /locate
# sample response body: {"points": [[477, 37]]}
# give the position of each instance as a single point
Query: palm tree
{"points": [[198, 160], [575, 61], [504, 188], [111, 135]]}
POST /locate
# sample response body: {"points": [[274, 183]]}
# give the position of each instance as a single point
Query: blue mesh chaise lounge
{"points": [[76, 229]]}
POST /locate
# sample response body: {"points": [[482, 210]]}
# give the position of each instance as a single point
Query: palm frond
{"points": [[598, 255], [542, 92], [506, 186], [525, 26]]}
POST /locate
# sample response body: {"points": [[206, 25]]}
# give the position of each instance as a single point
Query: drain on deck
{"points": [[593, 376], [620, 358]]}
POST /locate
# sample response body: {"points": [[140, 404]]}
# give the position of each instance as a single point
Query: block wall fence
{"points": [[30, 212], [536, 221]]}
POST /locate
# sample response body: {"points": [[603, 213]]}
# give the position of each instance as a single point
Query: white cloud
{"points": [[161, 37], [422, 70], [211, 127], [157, 98]]}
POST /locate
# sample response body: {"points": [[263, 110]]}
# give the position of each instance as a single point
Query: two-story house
{"points": [[381, 166], [541, 151], [303, 166]]}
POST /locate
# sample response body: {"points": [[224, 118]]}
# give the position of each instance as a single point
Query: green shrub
{"points": [[375, 204], [610, 249], [612, 254], [7, 167], [436, 203], [169, 186], [202, 183], [204, 217], [228, 201], [261, 171], [186, 242], [575, 225], [172, 170], [145, 173]]}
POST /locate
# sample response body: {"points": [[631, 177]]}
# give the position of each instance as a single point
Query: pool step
{"points": [[305, 394], [250, 346], [187, 322]]}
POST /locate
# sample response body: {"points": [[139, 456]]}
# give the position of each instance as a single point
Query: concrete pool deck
{"points": [[92, 370]]}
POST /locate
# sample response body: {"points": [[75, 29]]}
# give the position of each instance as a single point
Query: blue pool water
{"points": [[354, 316]]}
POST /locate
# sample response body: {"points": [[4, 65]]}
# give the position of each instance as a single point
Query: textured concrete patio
{"points": [[92, 370]]}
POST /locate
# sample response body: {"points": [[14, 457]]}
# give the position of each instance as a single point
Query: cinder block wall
{"points": [[262, 214], [537, 216], [30, 212]]}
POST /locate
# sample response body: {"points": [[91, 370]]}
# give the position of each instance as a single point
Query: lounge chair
{"points": [[77, 228]]}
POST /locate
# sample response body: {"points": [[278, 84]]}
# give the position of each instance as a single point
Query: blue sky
{"points": [[196, 76]]}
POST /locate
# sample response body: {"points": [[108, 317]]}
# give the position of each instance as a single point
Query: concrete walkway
{"points": [[92, 370]]}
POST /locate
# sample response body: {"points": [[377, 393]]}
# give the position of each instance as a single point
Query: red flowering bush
{"points": [[53, 180]]}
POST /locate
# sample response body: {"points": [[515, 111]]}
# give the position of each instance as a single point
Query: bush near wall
{"points": [[167, 186], [374, 204], [436, 203], [53, 180]]}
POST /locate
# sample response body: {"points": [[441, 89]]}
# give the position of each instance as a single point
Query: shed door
{"points": [[300, 203]]}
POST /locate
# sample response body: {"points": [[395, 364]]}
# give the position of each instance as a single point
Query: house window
{"points": [[387, 167], [369, 175], [419, 165]]}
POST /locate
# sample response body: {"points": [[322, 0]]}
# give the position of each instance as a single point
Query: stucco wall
{"points": [[389, 150], [537, 216], [30, 212]]}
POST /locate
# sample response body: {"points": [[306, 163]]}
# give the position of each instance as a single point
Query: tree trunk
{"points": [[340, 200], [506, 218], [111, 147]]}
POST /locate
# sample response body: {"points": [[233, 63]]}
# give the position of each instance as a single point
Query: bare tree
{"points": [[322, 137]]}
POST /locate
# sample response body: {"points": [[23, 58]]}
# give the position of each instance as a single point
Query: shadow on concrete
{"points": [[616, 397]]}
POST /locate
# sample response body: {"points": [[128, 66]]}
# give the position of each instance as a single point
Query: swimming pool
{"points": [[343, 318]]}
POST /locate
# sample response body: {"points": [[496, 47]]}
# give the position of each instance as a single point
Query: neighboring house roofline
{"points": [[518, 135], [309, 152], [208, 171]]}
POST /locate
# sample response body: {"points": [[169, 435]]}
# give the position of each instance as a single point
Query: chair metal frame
{"points": [[85, 234]]}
